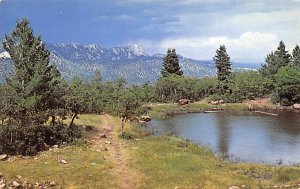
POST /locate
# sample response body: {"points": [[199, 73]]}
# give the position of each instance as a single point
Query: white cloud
{"points": [[249, 45], [250, 29], [115, 17]]}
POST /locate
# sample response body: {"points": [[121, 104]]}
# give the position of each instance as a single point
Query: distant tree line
{"points": [[35, 101]]}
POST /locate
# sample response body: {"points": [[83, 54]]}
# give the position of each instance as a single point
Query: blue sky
{"points": [[250, 29]]}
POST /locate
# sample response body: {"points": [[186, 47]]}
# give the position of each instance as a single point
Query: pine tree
{"points": [[171, 64], [284, 58], [275, 60], [34, 82], [296, 56], [223, 65]]}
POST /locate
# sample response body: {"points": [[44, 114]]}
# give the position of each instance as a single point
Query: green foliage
{"points": [[32, 95], [33, 85], [296, 56], [275, 60], [222, 61], [223, 65], [16, 139], [29, 140], [128, 104], [171, 64], [245, 85], [287, 86], [172, 89], [280, 75]]}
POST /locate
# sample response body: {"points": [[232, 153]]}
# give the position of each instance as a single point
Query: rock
{"points": [[16, 184], [145, 118], [296, 106], [3, 157], [52, 184], [214, 102], [103, 136], [11, 159], [107, 142], [55, 146], [2, 185], [46, 146], [141, 121], [183, 102], [98, 150], [234, 187], [63, 161], [35, 158]]}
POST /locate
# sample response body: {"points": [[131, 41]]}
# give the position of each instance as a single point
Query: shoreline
{"points": [[166, 110]]}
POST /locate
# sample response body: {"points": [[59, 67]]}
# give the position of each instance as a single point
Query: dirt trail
{"points": [[115, 148]]}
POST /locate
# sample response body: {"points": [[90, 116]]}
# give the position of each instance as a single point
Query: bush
{"points": [[30, 140], [22, 140], [55, 134]]}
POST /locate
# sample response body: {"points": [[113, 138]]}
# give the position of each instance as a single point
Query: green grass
{"points": [[86, 168], [162, 111], [169, 162]]}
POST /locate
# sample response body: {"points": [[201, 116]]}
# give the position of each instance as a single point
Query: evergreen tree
{"points": [[296, 56], [171, 64], [287, 85], [283, 57], [275, 60], [223, 65], [34, 82]]}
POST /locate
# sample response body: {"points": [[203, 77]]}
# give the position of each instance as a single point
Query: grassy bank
{"points": [[170, 109], [86, 167], [162, 111]]}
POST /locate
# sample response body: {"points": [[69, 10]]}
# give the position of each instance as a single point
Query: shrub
{"points": [[22, 140], [31, 139]]}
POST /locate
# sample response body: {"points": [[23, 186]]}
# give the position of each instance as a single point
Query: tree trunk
{"points": [[73, 118], [53, 120], [123, 119]]}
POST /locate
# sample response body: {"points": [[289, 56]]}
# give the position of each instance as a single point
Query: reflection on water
{"points": [[223, 132], [243, 136]]}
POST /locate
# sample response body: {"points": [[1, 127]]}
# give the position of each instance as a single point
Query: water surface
{"points": [[244, 136]]}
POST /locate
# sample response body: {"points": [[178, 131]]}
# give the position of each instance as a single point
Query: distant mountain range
{"points": [[131, 63]]}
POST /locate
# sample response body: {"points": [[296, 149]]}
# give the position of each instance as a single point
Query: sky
{"points": [[250, 29]]}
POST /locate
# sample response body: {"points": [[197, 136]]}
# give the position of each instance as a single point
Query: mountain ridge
{"points": [[131, 63]]}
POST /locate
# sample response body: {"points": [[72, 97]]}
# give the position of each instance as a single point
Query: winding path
{"points": [[115, 148]]}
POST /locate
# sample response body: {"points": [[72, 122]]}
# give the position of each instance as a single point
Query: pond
{"points": [[239, 136]]}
